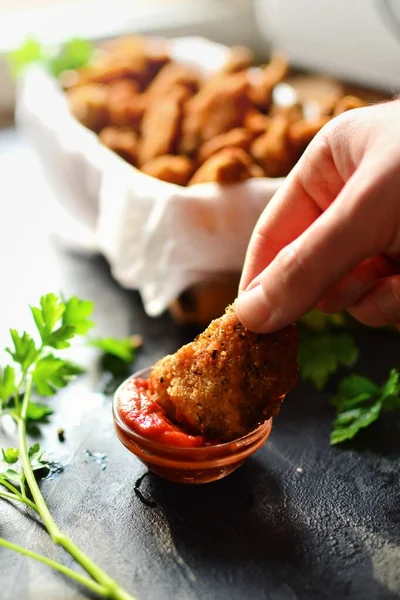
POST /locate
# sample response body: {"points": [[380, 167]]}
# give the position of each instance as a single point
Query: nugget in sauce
{"points": [[228, 380]]}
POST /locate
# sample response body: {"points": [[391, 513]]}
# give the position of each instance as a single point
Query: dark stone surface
{"points": [[300, 520]]}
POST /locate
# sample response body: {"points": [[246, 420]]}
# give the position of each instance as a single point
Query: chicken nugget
{"points": [[126, 106], [256, 122], [272, 150], [123, 141], [235, 138], [174, 169], [88, 104], [240, 58], [347, 103], [228, 380], [112, 68], [229, 165], [262, 81], [171, 75], [153, 54], [161, 125], [218, 107], [294, 112], [301, 133]]}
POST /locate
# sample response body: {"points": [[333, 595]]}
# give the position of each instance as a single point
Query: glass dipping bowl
{"points": [[187, 465]]}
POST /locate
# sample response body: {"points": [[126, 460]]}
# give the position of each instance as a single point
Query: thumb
{"points": [[344, 235]]}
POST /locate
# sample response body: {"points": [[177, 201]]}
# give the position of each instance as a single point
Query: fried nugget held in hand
{"points": [[227, 166], [174, 169], [228, 380]]}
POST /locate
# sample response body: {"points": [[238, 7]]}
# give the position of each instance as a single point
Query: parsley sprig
{"points": [[38, 370], [359, 402], [73, 54], [323, 348]]}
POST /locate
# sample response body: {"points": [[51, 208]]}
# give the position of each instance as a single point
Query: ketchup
{"points": [[141, 413]]}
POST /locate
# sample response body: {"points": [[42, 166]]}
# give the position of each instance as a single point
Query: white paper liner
{"points": [[158, 237]]}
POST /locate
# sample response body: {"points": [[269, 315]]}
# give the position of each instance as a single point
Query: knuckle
{"points": [[291, 261]]}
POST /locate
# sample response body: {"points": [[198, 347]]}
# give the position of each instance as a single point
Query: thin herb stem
{"points": [[19, 498], [9, 496], [9, 485], [59, 538], [85, 581]]}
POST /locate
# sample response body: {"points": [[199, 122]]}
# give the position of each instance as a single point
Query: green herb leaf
{"points": [[10, 456], [25, 351], [29, 52], [349, 423], [36, 458], [359, 402], [123, 348], [354, 390], [51, 373], [317, 320], [37, 411], [77, 313], [12, 476], [7, 384], [320, 355], [73, 54], [47, 317]]}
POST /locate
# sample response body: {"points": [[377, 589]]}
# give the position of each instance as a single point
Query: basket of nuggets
{"points": [[168, 151]]}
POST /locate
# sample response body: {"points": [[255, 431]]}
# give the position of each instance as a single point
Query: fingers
{"points": [[357, 283], [381, 305], [342, 237], [312, 186]]}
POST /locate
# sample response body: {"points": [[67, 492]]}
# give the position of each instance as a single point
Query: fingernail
{"points": [[252, 308], [389, 302]]}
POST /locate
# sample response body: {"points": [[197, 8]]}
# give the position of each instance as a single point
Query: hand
{"points": [[331, 235]]}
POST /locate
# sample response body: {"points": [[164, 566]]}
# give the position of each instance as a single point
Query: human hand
{"points": [[331, 235]]}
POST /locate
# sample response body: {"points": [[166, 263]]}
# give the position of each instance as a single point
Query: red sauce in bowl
{"points": [[141, 413]]}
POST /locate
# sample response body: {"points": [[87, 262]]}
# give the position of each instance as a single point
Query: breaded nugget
{"points": [[171, 75], [161, 125], [228, 380], [272, 150], [229, 165], [301, 133], [154, 50], [347, 103], [294, 112], [262, 81], [240, 58], [88, 104], [110, 69], [126, 106], [256, 122], [122, 141], [139, 67], [218, 107], [174, 169], [235, 138]]}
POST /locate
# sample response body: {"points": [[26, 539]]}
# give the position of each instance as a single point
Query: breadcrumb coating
{"points": [[227, 166], [228, 380]]}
